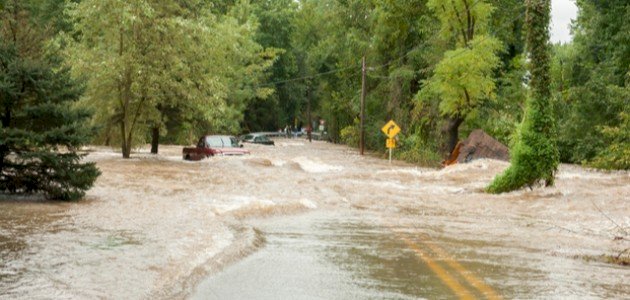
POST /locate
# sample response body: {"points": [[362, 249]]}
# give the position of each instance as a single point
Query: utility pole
{"points": [[363, 92], [309, 128]]}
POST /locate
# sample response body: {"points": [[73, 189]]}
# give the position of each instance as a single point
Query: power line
{"points": [[425, 43], [308, 77], [334, 71], [522, 14]]}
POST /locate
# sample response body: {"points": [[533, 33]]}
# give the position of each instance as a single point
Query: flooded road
{"points": [[315, 221]]}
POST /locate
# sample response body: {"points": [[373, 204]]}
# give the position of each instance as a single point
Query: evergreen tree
{"points": [[535, 155], [40, 129]]}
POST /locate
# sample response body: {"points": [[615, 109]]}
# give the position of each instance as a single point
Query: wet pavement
{"points": [[315, 221], [326, 256]]}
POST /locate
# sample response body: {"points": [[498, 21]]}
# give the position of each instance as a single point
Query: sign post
{"points": [[390, 129]]}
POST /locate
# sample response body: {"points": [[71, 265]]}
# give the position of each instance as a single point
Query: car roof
{"points": [[216, 135]]}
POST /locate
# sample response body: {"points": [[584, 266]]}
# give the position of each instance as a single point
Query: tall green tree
{"points": [[534, 155], [41, 128], [277, 26], [464, 77], [149, 62], [589, 80]]}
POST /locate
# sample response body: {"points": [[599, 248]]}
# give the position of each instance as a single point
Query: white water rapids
{"points": [[155, 226]]}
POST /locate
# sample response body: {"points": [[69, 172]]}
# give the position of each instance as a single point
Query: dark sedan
{"points": [[255, 138]]}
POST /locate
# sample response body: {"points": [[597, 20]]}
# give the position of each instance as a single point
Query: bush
{"points": [[415, 149], [617, 154], [534, 155], [350, 135]]}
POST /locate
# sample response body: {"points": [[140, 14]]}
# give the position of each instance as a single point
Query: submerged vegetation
{"points": [[534, 156]]}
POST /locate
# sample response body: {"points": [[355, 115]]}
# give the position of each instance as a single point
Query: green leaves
{"points": [[461, 20], [464, 77], [590, 83], [149, 62]]}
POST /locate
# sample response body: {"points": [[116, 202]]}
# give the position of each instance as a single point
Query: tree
{"points": [[41, 129], [149, 62], [534, 155], [617, 154], [589, 81], [464, 77], [276, 29]]}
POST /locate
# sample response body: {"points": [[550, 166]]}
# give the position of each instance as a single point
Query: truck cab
{"points": [[211, 145]]}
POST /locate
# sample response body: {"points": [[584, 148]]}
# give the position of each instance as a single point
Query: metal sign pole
{"points": [[390, 155]]}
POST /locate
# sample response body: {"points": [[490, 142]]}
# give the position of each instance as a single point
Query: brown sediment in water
{"points": [[159, 224]]}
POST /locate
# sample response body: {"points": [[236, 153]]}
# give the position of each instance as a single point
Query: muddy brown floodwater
{"points": [[315, 221]]}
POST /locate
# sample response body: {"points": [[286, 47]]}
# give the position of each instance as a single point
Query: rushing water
{"points": [[156, 226]]}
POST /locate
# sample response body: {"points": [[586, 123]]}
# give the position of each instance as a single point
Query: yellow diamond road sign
{"points": [[391, 129]]}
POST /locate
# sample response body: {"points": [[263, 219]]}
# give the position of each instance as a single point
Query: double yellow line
{"points": [[443, 274]]}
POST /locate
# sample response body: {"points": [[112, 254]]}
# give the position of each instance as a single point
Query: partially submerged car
{"points": [[257, 138], [211, 145]]}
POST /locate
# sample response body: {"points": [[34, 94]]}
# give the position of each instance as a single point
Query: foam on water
{"points": [[239, 202], [159, 224]]}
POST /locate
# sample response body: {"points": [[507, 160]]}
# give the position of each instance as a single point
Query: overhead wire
{"points": [[423, 70], [334, 71], [425, 43], [308, 77], [348, 68]]}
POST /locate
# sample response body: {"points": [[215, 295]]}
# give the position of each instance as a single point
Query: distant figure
{"points": [[308, 133]]}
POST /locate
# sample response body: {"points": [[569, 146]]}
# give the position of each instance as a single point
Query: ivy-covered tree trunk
{"points": [[534, 155]]}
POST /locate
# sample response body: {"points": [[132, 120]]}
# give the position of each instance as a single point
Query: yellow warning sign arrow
{"points": [[391, 129]]}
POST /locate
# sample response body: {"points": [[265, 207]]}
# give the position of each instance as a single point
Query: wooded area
{"points": [[127, 73]]}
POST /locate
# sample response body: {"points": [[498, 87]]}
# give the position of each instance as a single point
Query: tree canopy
{"points": [[41, 128], [168, 71]]}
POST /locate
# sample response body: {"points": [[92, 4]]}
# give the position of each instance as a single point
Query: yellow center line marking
{"points": [[468, 275], [451, 282], [443, 274]]}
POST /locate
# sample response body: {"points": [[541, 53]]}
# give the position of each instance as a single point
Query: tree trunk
{"points": [[4, 150], [309, 129], [452, 130], [126, 149], [155, 139]]}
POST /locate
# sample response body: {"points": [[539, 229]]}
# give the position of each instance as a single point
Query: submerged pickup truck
{"points": [[211, 145]]}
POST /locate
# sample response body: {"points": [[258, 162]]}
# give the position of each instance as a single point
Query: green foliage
{"points": [[350, 134], [617, 153], [464, 78], [500, 117], [150, 63], [462, 19], [41, 127], [418, 150], [534, 155], [276, 28], [589, 80], [439, 68]]}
